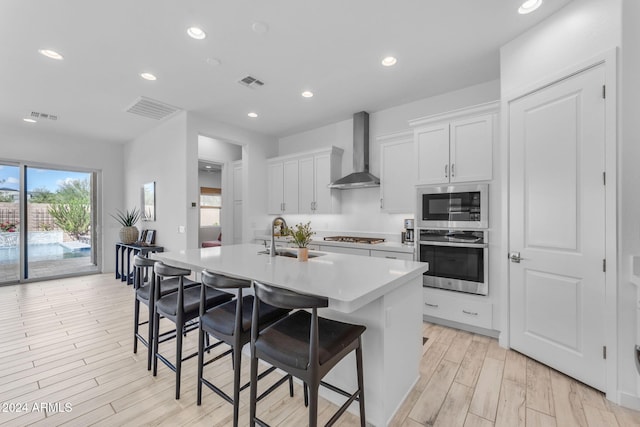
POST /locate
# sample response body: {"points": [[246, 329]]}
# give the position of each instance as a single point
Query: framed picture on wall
{"points": [[150, 238], [149, 201]]}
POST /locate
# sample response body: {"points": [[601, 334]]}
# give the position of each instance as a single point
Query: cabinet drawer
{"points": [[343, 250], [457, 308], [392, 255]]}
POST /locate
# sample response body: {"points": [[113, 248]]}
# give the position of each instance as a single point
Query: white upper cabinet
{"points": [[282, 187], [397, 173], [304, 179], [455, 146], [471, 149], [432, 144]]}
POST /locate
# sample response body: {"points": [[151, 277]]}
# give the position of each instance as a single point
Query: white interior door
{"points": [[557, 226]]}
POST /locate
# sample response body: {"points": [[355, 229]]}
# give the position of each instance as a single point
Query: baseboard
{"points": [[629, 400], [463, 326]]}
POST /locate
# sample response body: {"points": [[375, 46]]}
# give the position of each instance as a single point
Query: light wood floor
{"points": [[69, 342]]}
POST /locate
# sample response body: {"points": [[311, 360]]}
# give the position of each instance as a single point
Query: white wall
{"points": [[361, 207], [159, 155], [30, 144], [218, 151], [572, 36]]}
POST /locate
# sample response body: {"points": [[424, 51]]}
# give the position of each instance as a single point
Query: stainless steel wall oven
{"points": [[458, 260]]}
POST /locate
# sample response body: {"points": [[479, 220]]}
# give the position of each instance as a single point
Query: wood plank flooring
{"points": [[66, 359]]}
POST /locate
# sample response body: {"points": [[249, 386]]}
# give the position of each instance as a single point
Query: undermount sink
{"points": [[288, 252]]}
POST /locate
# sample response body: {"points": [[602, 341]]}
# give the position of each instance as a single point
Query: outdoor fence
{"points": [[37, 216]]}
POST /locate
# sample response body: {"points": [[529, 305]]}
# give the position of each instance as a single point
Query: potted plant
{"points": [[301, 235], [128, 219]]}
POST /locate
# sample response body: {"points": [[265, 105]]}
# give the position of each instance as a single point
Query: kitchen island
{"points": [[385, 295]]}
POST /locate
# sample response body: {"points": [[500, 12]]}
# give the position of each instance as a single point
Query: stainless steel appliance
{"points": [[453, 206], [458, 260], [354, 239], [409, 231]]}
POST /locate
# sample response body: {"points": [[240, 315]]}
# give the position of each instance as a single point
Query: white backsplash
{"points": [[360, 216]]}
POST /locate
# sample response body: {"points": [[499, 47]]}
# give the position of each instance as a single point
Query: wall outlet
{"points": [[181, 229]]}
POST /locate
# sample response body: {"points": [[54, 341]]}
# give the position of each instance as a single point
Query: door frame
{"points": [[609, 59]]}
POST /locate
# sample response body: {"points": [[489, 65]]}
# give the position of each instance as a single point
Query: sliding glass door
{"points": [[9, 223], [49, 222]]}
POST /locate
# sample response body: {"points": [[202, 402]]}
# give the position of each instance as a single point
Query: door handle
{"points": [[453, 170], [515, 257], [446, 171]]}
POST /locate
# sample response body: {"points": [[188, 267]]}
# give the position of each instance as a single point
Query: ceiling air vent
{"points": [[37, 115], [151, 108], [251, 82]]}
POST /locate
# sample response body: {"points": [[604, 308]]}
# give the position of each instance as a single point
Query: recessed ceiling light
{"points": [[389, 61], [529, 6], [148, 76], [196, 33], [28, 120], [260, 27], [252, 115], [208, 166], [307, 94], [51, 54]]}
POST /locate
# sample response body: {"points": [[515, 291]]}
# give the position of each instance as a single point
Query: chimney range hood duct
{"points": [[360, 178]]}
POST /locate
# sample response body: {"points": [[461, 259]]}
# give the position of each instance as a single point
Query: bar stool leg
{"points": [[237, 355], [151, 335], [313, 405], [360, 370], [178, 362], [254, 390], [200, 364], [136, 320], [156, 332]]}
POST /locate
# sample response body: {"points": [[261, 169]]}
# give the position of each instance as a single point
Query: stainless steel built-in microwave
{"points": [[453, 206]]}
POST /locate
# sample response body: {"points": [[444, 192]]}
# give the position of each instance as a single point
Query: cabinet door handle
{"points": [[453, 170], [381, 204], [446, 171], [391, 257], [470, 313], [431, 305]]}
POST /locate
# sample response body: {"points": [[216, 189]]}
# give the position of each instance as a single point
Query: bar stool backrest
{"points": [[223, 282], [165, 270], [140, 265], [285, 298]]}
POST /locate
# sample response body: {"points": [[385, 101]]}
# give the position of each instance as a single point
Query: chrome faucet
{"points": [[272, 250]]}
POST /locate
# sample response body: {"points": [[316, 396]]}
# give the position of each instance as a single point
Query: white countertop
{"points": [[384, 246], [349, 281]]}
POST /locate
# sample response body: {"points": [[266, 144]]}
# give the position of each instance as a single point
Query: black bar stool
{"points": [[304, 345], [230, 323], [144, 285], [180, 307]]}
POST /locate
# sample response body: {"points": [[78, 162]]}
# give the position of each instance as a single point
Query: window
{"points": [[210, 206]]}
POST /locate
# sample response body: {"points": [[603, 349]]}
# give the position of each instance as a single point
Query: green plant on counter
{"points": [[300, 234], [128, 218]]}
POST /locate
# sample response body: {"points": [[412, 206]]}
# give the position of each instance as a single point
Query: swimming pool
{"points": [[46, 252]]}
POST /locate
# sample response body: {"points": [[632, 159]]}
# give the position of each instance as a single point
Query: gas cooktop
{"points": [[353, 239]]}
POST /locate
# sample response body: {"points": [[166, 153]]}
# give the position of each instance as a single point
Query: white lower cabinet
{"points": [[392, 255], [457, 307], [343, 250]]}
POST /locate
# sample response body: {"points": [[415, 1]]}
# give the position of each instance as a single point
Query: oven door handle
{"points": [[456, 244]]}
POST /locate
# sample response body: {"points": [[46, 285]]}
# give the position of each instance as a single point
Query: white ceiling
{"points": [[332, 47]]}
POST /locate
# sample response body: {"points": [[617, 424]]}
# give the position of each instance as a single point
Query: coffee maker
{"points": [[409, 232]]}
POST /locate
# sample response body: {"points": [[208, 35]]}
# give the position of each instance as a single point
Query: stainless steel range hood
{"points": [[360, 178]]}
